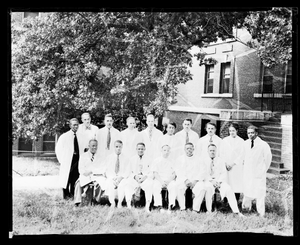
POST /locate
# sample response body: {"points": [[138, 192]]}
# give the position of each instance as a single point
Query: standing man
{"points": [[186, 135], [217, 179], [150, 137], [117, 171], [209, 138], [67, 153], [191, 173], [257, 161], [170, 140], [87, 131], [130, 137], [106, 137]]}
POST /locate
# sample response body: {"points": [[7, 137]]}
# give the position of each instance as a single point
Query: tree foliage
{"points": [[272, 35], [125, 63]]}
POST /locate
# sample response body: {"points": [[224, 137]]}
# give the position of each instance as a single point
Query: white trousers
{"points": [[198, 191], [260, 204], [157, 188], [132, 185], [225, 191], [114, 192]]}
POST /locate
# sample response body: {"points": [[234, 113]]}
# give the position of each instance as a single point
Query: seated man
{"points": [[217, 179], [87, 166], [141, 176], [190, 173], [164, 177], [117, 171]]}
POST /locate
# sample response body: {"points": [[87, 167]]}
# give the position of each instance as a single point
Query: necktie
{"points": [[187, 138], [117, 167], [212, 167], [252, 143], [140, 166], [92, 159], [210, 140], [108, 139], [150, 134], [76, 148]]}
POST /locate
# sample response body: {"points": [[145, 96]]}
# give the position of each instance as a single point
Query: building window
{"points": [[48, 143], [209, 79], [267, 81], [288, 78], [225, 77], [30, 14]]}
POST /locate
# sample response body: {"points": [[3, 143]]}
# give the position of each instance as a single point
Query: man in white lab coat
{"points": [[141, 176], [186, 135], [106, 137], [150, 137], [164, 177], [89, 166], [130, 137], [86, 131], [117, 170], [257, 161], [209, 138], [191, 173], [67, 153], [217, 179]]}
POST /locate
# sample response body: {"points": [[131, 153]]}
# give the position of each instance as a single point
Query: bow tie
{"points": [[88, 128]]}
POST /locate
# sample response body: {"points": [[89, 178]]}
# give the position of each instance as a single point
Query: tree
{"points": [[123, 63], [272, 35]]}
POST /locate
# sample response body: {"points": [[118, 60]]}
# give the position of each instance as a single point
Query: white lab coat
{"points": [[101, 137], [232, 152], [64, 150], [203, 143], [138, 166], [181, 138], [256, 163], [130, 138], [86, 165], [152, 150], [191, 168], [164, 168], [86, 135]]}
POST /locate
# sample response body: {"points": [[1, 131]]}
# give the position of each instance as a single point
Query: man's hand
{"points": [[229, 167], [188, 183], [87, 173], [117, 180]]}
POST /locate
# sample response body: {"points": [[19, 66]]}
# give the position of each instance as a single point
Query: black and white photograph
{"points": [[153, 121]]}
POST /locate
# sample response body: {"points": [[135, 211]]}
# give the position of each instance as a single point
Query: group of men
{"points": [[123, 163]]}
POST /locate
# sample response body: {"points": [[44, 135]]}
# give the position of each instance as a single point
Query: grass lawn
{"points": [[45, 212], [30, 166]]}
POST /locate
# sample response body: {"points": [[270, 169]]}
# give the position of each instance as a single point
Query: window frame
{"points": [[207, 73], [222, 77]]}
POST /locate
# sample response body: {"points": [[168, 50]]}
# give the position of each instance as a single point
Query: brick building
{"points": [[239, 88]]}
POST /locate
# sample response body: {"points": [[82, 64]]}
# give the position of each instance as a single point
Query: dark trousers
{"points": [[73, 176]]}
